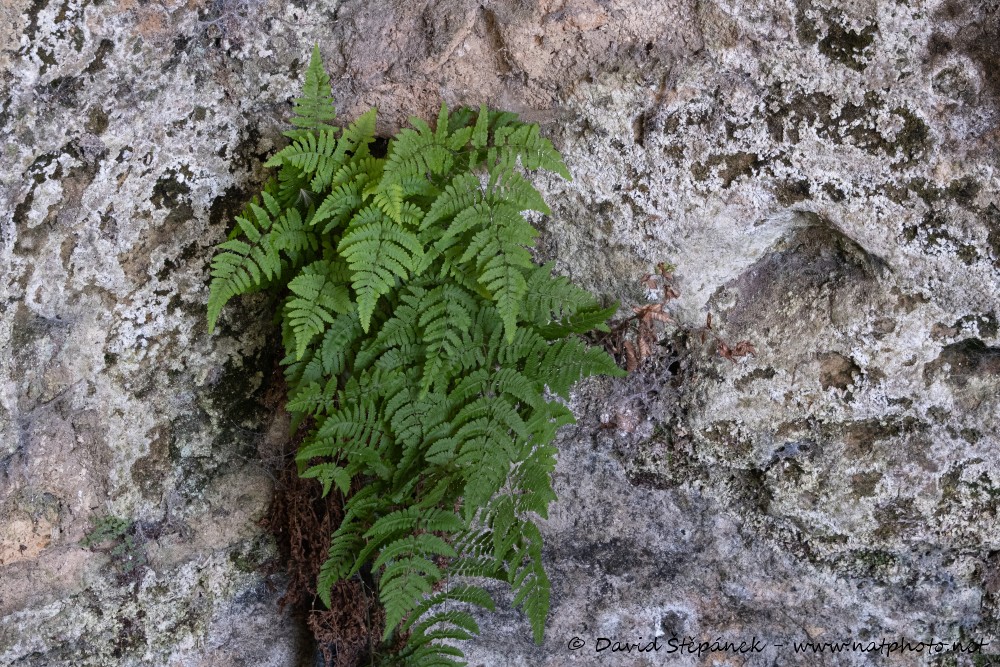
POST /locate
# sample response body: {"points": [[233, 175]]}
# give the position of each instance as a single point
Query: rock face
{"points": [[821, 172]]}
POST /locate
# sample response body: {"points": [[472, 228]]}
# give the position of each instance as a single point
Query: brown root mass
{"points": [[303, 523]]}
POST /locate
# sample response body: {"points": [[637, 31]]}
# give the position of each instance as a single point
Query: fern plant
{"points": [[425, 349]]}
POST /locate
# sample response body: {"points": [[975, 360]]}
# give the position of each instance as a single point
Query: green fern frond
{"points": [[347, 540], [411, 420], [293, 238], [425, 544], [499, 250], [409, 574], [427, 630], [533, 479], [421, 151], [314, 108], [338, 206], [414, 518], [337, 563], [582, 321], [462, 620], [552, 298], [420, 343], [399, 331], [355, 422], [312, 398], [530, 581], [461, 193], [480, 134], [501, 517], [526, 352], [299, 372], [461, 593], [357, 136], [293, 188]]}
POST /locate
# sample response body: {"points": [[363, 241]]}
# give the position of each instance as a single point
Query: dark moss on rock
{"points": [[963, 191], [861, 438], [33, 339], [104, 49], [730, 436], [235, 401], [868, 563], [835, 193], [733, 166], [847, 46], [934, 234], [226, 207], [36, 7], [965, 360], [792, 192], [805, 28], [981, 325], [864, 484], [149, 472], [750, 489], [913, 141], [62, 90], [169, 189], [847, 123], [837, 371], [742, 383], [991, 218], [97, 120], [976, 27], [955, 84], [253, 554]]}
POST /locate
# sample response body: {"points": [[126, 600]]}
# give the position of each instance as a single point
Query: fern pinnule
{"points": [[534, 151], [352, 423], [292, 188], [532, 478], [465, 627], [443, 315], [329, 474], [340, 343], [379, 254], [313, 398], [567, 361], [239, 269], [456, 593], [461, 193], [338, 206], [320, 294], [313, 154], [293, 238], [347, 540]]}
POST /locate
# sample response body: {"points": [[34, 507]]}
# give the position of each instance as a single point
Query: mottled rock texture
{"points": [[823, 173]]}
